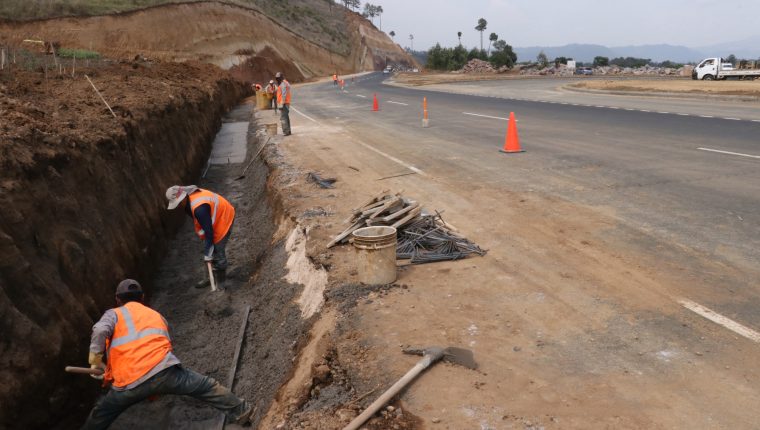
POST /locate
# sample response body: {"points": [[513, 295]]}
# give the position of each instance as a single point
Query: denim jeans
{"points": [[220, 252], [174, 380], [285, 118]]}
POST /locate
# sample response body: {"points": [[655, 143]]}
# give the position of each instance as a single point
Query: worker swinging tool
{"points": [[131, 351], [213, 217]]}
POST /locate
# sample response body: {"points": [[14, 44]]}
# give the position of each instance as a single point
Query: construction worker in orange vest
{"points": [[213, 217], [139, 363], [335, 79], [272, 92], [283, 99]]}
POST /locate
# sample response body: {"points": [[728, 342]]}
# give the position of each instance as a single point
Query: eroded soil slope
{"points": [[83, 206]]}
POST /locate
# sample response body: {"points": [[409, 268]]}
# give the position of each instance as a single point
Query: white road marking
{"points": [[756, 120], [707, 116], [729, 152], [683, 114], [600, 106], [359, 95], [664, 113], [392, 158], [486, 116], [629, 109], [397, 103], [733, 119], [644, 110], [304, 115], [720, 319]]}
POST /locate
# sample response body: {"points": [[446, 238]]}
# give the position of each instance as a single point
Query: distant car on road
{"points": [[386, 70], [584, 71]]}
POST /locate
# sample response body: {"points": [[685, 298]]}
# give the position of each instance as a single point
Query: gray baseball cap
{"points": [[128, 286]]}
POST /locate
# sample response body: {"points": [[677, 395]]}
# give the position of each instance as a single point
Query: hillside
{"points": [[303, 38]]}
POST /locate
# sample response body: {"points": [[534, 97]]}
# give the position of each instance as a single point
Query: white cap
{"points": [[176, 193]]}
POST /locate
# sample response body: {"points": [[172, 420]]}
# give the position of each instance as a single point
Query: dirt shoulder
{"points": [[674, 86], [428, 78]]}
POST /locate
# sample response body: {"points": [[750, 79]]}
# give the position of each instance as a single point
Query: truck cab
{"points": [[717, 68], [708, 69]]}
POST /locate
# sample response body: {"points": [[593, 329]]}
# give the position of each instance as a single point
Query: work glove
{"points": [[209, 256], [96, 362]]}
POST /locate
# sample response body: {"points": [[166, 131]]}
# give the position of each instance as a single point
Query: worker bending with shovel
{"points": [[212, 217], [140, 364]]}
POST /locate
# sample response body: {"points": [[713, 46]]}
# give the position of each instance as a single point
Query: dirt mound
{"points": [[222, 34], [83, 203]]}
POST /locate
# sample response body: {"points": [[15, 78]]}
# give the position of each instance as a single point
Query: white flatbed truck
{"points": [[712, 69]]}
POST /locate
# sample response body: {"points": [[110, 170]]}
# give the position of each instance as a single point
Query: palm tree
{"points": [[392, 34], [411, 40], [379, 13], [481, 27], [491, 39], [459, 36]]}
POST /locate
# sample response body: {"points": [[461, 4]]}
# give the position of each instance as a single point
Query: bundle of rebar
{"points": [[422, 237], [427, 240]]}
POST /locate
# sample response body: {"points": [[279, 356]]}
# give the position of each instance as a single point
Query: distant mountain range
{"points": [[748, 48]]}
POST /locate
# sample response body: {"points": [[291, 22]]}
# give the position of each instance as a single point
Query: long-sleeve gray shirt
{"points": [[104, 328]]}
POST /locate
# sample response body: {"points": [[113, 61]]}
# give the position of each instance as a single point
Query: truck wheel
{"points": [[708, 78]]}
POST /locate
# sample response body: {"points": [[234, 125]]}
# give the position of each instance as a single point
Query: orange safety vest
{"points": [[222, 213], [335, 77], [287, 96], [139, 342]]}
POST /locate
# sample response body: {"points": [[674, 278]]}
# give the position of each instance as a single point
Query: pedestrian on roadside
{"points": [[139, 364], [213, 217], [342, 85], [335, 79], [283, 99], [271, 90]]}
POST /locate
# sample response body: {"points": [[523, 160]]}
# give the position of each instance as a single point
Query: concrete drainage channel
{"points": [[269, 271]]}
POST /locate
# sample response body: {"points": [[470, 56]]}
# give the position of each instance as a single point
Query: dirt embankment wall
{"points": [[254, 45], [83, 206]]}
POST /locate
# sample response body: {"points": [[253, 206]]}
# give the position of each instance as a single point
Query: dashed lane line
{"points": [[485, 116], [304, 115], [392, 158], [721, 320], [397, 103], [362, 96], [729, 153]]}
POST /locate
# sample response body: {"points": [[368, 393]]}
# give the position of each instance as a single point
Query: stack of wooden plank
{"points": [[385, 208]]}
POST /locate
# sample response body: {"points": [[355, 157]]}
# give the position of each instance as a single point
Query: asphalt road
{"points": [[647, 166], [614, 237], [660, 173]]}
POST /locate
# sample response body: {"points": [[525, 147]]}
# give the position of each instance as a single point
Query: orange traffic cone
{"points": [[512, 141], [375, 106], [425, 122]]}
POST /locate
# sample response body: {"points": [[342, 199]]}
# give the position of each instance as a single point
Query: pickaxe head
{"points": [[452, 354]]}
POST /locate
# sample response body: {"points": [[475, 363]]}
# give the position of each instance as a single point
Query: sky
{"points": [[522, 23]]}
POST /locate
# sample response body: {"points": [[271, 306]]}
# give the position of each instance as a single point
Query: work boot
{"points": [[203, 283], [245, 417]]}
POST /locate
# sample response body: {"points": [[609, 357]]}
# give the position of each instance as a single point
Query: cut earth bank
{"points": [[84, 206]]}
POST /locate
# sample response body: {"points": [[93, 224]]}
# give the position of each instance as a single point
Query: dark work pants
{"points": [[285, 118], [174, 380]]}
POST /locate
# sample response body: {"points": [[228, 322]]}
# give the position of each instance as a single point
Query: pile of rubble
{"points": [[563, 70], [422, 237], [478, 66]]}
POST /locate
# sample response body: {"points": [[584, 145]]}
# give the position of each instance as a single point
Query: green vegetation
{"points": [[481, 27], [601, 61], [440, 58], [79, 54], [630, 62]]}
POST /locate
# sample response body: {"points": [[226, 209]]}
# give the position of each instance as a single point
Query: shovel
{"points": [[211, 276], [430, 356]]}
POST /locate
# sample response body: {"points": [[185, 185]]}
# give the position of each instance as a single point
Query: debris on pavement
{"points": [[322, 182], [422, 237]]}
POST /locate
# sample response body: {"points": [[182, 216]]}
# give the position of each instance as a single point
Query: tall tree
{"points": [[392, 34], [411, 40], [481, 27], [379, 12], [542, 60], [459, 36], [491, 39], [369, 11]]}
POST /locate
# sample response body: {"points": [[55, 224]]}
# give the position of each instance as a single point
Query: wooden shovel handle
{"points": [[84, 370]]}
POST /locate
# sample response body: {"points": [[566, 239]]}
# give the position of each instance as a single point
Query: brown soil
{"points": [[222, 34], [428, 78], [83, 199], [680, 86]]}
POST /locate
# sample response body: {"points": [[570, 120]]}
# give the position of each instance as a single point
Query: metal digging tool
{"points": [[430, 356]]}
